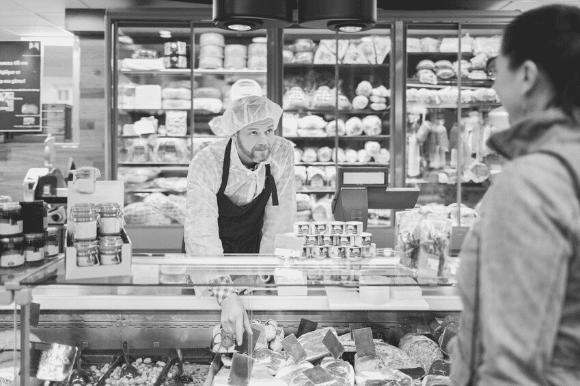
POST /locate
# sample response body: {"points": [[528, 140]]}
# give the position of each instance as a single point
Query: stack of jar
{"points": [[334, 240], [24, 234], [96, 233]]}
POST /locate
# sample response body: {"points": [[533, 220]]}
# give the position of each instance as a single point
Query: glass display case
{"points": [[336, 110]]}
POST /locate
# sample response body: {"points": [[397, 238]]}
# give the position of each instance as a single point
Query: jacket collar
{"points": [[532, 133]]}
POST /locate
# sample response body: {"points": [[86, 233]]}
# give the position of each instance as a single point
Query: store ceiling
{"points": [[46, 18]]}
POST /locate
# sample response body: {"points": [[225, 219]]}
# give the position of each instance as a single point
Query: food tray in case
{"points": [[194, 357], [160, 355]]}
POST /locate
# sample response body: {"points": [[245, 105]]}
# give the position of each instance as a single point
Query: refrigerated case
{"points": [[164, 304]]}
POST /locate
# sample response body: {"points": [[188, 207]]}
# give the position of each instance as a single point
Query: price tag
{"points": [[294, 348], [333, 345], [241, 370], [354, 326], [305, 327], [318, 375], [249, 341], [363, 340]]}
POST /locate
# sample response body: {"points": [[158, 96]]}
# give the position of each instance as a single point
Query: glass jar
{"points": [[83, 218], [87, 253], [110, 219], [85, 179], [110, 249], [10, 219], [34, 247], [11, 251], [51, 242]]}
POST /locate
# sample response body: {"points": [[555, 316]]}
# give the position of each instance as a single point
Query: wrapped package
{"points": [[382, 47], [137, 175], [421, 349], [235, 63], [378, 106], [430, 45], [295, 98], [330, 46], [323, 55], [315, 177], [364, 88], [176, 93], [353, 125], [276, 343], [443, 64], [300, 176], [312, 343], [257, 63], [354, 55], [339, 369], [412, 95], [330, 172], [477, 75], [323, 98], [363, 156], [426, 65], [324, 154], [204, 92], [445, 74], [210, 62], [236, 50], [294, 375], [344, 103], [368, 49], [394, 358], [311, 122], [427, 76], [272, 360], [146, 125], [212, 50], [303, 202], [360, 102], [309, 155], [381, 91], [407, 238], [340, 155], [174, 184], [177, 104], [373, 148], [377, 99], [468, 215], [413, 45], [142, 214], [371, 125], [258, 49], [171, 150], [368, 363], [479, 61], [289, 125], [126, 96], [434, 251], [303, 58], [176, 123], [143, 64], [287, 56], [452, 44], [427, 97], [211, 38], [172, 206], [298, 155], [148, 97], [128, 130], [213, 105], [384, 156], [487, 45], [351, 156], [304, 215], [139, 151], [331, 128]]}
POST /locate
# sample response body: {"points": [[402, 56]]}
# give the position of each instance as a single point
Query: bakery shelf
{"points": [[203, 136], [463, 105], [316, 191], [153, 190], [342, 138], [154, 111], [153, 164], [168, 71], [384, 65], [340, 112], [465, 83], [221, 71], [440, 54], [354, 164], [158, 135]]}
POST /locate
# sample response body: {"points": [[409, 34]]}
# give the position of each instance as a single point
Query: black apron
{"points": [[240, 227]]}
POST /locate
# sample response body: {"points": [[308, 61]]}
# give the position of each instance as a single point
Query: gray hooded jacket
{"points": [[527, 246]]}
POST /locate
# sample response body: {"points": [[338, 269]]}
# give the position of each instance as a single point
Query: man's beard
{"points": [[254, 154]]}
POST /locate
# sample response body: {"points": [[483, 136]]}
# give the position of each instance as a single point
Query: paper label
{"points": [[241, 370], [354, 326], [318, 375], [294, 348], [306, 326], [363, 340], [86, 230], [333, 345]]}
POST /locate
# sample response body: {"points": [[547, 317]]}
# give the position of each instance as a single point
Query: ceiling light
{"points": [[338, 15], [239, 27], [248, 15]]}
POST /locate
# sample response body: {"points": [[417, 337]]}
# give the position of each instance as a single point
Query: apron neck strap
{"points": [[270, 179], [226, 167]]}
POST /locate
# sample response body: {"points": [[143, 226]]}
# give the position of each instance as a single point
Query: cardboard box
{"points": [[96, 271]]}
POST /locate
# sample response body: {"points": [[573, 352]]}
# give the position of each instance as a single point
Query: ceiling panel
{"points": [[37, 31], [7, 5], [75, 4], [56, 18], [42, 5], [29, 19]]}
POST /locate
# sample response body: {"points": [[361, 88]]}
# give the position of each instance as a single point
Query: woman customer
{"points": [[520, 267]]}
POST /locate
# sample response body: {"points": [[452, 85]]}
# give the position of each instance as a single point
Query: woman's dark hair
{"points": [[550, 37]]}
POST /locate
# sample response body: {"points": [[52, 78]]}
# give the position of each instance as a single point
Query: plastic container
{"points": [[10, 219], [34, 247], [110, 219], [365, 239], [319, 227], [85, 178], [110, 250], [87, 253], [337, 227], [52, 245], [83, 218], [354, 228], [12, 251], [302, 228], [173, 274]]}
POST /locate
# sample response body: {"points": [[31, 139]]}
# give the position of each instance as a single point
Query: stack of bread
{"points": [[257, 54], [235, 57], [211, 55]]}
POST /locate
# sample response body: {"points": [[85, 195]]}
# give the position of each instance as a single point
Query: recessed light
{"points": [[239, 27], [350, 28]]}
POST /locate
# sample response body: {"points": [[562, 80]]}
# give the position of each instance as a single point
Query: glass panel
{"points": [[360, 137], [152, 118]]}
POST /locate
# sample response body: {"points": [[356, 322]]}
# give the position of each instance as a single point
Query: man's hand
{"points": [[234, 318]]}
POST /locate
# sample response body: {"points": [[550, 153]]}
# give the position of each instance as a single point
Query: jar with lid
{"points": [[110, 249], [83, 221], [11, 251], [10, 219], [87, 253], [85, 179], [110, 219], [34, 245], [51, 242]]}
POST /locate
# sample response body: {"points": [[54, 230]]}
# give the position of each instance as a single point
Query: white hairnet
{"points": [[247, 110]]}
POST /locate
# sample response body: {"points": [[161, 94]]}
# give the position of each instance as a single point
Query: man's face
{"points": [[256, 139]]}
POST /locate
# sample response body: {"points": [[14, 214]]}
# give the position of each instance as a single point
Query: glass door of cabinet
{"points": [[222, 58], [151, 119], [336, 110]]}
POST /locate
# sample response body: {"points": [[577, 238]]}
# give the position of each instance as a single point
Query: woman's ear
{"points": [[529, 76]]}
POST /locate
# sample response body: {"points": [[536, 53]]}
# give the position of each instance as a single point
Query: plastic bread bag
{"points": [[298, 155], [339, 155], [408, 238], [434, 250], [309, 155], [173, 150], [176, 123], [324, 154], [289, 125], [316, 177], [139, 151], [331, 128]]}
